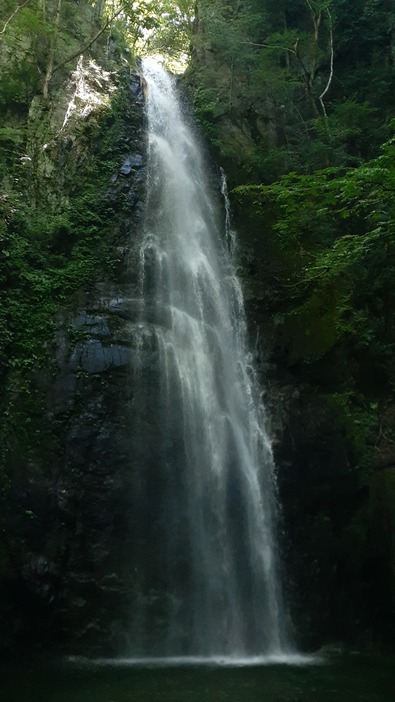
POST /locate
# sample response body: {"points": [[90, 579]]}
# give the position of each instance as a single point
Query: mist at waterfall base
{"points": [[346, 678], [207, 577]]}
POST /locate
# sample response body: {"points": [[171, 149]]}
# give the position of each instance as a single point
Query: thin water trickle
{"points": [[214, 590]]}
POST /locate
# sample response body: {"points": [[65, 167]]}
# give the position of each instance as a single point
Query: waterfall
{"points": [[207, 574]]}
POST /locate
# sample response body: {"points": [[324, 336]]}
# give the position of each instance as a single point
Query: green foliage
{"points": [[172, 26], [44, 40], [56, 238], [359, 416], [333, 235], [269, 64]]}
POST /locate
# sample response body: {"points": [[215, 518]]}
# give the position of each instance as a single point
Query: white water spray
{"points": [[214, 588]]}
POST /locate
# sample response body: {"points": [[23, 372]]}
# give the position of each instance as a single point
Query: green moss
{"points": [[30, 438], [57, 238], [359, 419]]}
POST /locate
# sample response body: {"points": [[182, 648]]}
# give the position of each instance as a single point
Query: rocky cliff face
{"points": [[335, 484], [67, 521], [71, 450]]}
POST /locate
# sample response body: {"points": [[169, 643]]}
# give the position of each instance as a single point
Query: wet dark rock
{"points": [[130, 163], [93, 357], [319, 494], [126, 307], [92, 324], [135, 86], [136, 89], [131, 198]]}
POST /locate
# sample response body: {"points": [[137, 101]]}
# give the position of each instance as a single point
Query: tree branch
{"points": [[269, 46], [316, 21], [87, 46], [19, 7], [315, 18], [328, 85], [52, 48]]}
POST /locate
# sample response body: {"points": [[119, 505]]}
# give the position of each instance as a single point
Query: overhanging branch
{"points": [[328, 85], [89, 44], [19, 7]]}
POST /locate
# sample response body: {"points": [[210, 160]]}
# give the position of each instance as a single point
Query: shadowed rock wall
{"points": [[66, 576]]}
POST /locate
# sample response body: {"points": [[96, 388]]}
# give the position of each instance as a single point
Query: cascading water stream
{"points": [[209, 583]]}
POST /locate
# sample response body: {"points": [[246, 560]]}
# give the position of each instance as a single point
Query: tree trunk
{"points": [[52, 49]]}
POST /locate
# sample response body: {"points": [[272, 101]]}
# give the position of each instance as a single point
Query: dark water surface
{"points": [[353, 678]]}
